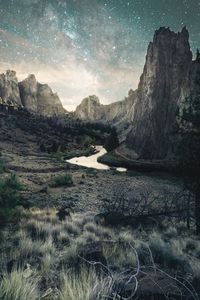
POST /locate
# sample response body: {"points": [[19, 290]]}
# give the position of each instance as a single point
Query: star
{"points": [[84, 42]]}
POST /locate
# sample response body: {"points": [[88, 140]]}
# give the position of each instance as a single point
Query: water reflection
{"points": [[91, 161]]}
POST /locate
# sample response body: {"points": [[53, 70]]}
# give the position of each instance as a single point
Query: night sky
{"points": [[86, 47]]}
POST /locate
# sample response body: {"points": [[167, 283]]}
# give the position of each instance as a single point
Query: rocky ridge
{"points": [[35, 97]]}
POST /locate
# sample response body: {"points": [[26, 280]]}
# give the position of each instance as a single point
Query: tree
{"points": [[112, 141], [198, 55], [189, 146]]}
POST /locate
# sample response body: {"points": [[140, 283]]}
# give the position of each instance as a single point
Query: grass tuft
{"points": [[15, 286], [62, 180]]}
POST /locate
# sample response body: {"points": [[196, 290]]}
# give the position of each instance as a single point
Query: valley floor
{"points": [[42, 253]]}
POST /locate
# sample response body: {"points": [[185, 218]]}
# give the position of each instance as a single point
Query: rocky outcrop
{"points": [[39, 98], [91, 109], [165, 82], [148, 115], [35, 97], [120, 113], [9, 89], [28, 92]]}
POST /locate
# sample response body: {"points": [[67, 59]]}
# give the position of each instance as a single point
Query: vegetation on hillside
{"points": [[189, 149], [9, 198], [62, 180], [112, 141]]}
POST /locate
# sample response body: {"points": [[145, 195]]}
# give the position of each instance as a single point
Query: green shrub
{"points": [[167, 254], [2, 166], [9, 198], [62, 180]]}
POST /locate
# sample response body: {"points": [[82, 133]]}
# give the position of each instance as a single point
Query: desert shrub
{"points": [[171, 232], [104, 233], [32, 249], [9, 198], [91, 227], [38, 230], [2, 166], [120, 255], [81, 219], [86, 285], [63, 238], [167, 254], [62, 180], [15, 286], [86, 237], [71, 228], [47, 264], [70, 256], [191, 245]]}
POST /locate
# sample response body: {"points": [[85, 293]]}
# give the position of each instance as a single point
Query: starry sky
{"points": [[86, 47]]}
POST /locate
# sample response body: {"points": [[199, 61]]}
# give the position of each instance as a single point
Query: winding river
{"points": [[91, 161]]}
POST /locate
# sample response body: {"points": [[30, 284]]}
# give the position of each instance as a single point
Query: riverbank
{"points": [[116, 159]]}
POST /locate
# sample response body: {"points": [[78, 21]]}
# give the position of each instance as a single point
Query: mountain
{"points": [[149, 113], [9, 89], [39, 98], [91, 109], [168, 78], [35, 97], [119, 113]]}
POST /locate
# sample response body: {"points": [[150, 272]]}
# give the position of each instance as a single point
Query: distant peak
{"points": [[92, 98], [11, 73], [31, 76]]}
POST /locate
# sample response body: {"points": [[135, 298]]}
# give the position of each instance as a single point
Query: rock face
{"points": [[28, 92], [120, 113], [9, 89], [39, 98], [91, 109], [166, 80], [150, 112], [35, 97]]}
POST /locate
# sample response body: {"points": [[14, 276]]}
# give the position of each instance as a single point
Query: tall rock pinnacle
{"points": [[163, 82]]}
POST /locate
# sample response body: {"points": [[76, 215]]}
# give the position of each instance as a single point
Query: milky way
{"points": [[85, 47]]}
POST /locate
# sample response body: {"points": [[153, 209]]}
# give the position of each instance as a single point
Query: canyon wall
{"points": [[35, 97]]}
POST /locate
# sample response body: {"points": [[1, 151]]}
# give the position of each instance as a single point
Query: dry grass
{"points": [[15, 286], [51, 247], [86, 285]]}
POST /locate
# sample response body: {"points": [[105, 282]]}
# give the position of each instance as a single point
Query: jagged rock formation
{"points": [[150, 112], [91, 109], [39, 98], [35, 97], [166, 80], [119, 113], [9, 89]]}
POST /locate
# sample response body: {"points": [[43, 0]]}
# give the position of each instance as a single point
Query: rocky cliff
{"points": [[39, 98], [91, 109], [9, 89], [35, 97], [168, 77]]}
